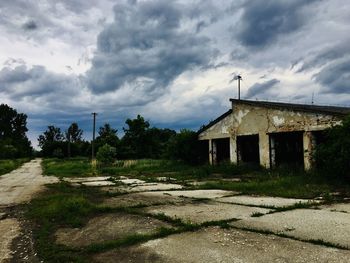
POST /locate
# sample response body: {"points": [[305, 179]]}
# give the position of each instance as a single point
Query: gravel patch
{"points": [[143, 198], [9, 230]]}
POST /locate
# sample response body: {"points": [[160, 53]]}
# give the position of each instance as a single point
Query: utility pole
{"points": [[239, 78], [93, 136]]}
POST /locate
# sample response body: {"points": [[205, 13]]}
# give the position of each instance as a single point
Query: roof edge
{"points": [[212, 123], [332, 110]]}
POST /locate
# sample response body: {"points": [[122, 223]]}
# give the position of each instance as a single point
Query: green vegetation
{"points": [[14, 142], [105, 155], [298, 186], [7, 166], [74, 167], [333, 155], [63, 205], [284, 183]]}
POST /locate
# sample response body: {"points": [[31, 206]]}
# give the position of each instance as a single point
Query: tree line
{"points": [[140, 141]]}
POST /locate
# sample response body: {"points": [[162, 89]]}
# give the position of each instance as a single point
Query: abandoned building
{"points": [[268, 133]]}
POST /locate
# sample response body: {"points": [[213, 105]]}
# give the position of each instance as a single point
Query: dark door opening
{"points": [[203, 151], [222, 149], [248, 149], [319, 137], [286, 149]]}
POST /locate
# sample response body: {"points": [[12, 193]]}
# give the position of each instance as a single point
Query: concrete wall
{"points": [[247, 120]]}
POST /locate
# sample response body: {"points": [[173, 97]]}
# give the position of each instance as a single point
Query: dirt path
{"points": [[17, 187], [21, 184]]}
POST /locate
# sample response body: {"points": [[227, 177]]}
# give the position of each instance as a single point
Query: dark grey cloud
{"points": [[263, 21], [320, 58], [335, 78], [147, 46], [30, 25], [261, 88], [22, 81]]}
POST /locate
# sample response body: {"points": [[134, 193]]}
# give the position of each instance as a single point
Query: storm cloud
{"points": [[170, 61], [146, 47], [264, 21], [261, 88], [335, 78]]}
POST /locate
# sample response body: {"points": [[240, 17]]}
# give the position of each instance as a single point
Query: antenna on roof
{"points": [[239, 78]]}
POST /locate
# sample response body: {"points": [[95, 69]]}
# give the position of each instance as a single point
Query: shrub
{"points": [[106, 154], [333, 156], [184, 146], [58, 153]]}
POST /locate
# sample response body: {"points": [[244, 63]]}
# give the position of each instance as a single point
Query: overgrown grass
{"points": [[62, 205], [8, 165], [75, 167], [147, 168], [174, 169], [297, 185]]}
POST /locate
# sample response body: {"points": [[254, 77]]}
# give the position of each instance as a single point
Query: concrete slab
{"points": [[210, 194], [203, 212], [131, 181], [165, 179], [143, 198], [224, 245], [98, 183], [9, 230], [155, 187], [342, 207], [86, 179], [305, 224], [108, 227], [262, 201]]}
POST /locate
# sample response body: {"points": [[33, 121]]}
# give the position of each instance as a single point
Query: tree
{"points": [[51, 140], [13, 127], [158, 140], [107, 135], [74, 133], [332, 157], [73, 137], [184, 146], [135, 141], [106, 154]]}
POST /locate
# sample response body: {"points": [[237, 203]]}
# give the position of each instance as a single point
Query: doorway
{"points": [[248, 149], [286, 149]]}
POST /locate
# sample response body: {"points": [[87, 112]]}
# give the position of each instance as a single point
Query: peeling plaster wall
{"points": [[247, 120]]}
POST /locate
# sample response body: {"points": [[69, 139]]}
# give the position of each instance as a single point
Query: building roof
{"points": [[223, 116], [332, 110]]}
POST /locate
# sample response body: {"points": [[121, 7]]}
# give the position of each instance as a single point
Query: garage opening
{"points": [[319, 137], [203, 147], [248, 149], [222, 149], [286, 149]]}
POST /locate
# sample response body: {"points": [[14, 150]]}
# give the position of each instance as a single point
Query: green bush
{"points": [[333, 156], [106, 154]]}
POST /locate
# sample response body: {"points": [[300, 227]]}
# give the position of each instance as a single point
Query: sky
{"points": [[173, 62]]}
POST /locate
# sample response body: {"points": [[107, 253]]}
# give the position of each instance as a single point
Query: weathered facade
{"points": [[269, 133]]}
